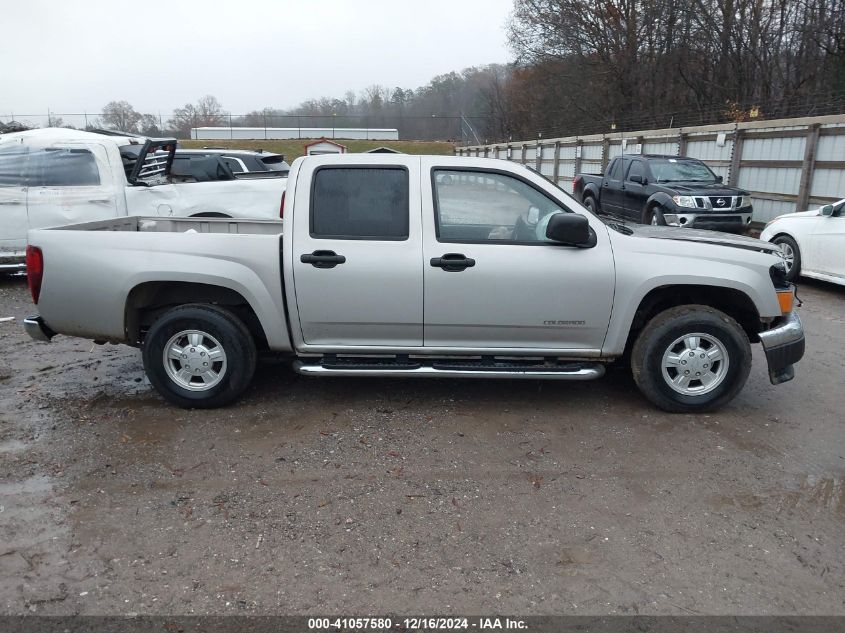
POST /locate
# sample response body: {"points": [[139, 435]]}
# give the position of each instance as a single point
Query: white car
{"points": [[812, 241]]}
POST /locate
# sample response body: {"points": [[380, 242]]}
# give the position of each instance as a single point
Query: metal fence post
{"points": [[579, 152], [808, 167], [556, 163], [605, 151], [736, 158], [682, 144], [523, 156], [538, 158]]}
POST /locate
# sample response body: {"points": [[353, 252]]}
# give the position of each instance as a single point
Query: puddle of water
{"points": [[33, 485], [812, 492], [12, 446]]}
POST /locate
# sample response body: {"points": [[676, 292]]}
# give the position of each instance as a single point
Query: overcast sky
{"points": [[77, 56]]}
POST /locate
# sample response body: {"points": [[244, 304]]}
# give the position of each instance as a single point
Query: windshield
{"points": [[672, 169]]}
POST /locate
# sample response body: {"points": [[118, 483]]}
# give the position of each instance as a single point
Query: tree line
{"points": [[448, 107], [582, 64]]}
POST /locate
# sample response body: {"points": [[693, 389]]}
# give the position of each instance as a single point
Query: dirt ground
{"points": [[356, 496]]}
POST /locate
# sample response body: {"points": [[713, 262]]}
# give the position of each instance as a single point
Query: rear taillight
{"points": [[575, 183], [282, 207], [34, 270]]}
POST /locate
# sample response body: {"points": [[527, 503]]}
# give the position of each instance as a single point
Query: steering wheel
{"points": [[522, 231]]}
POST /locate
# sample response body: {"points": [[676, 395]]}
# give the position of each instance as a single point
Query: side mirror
{"points": [[568, 228], [637, 178], [719, 179], [826, 210]]}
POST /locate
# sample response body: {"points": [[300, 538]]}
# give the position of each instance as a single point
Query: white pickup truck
{"points": [[420, 266], [55, 176]]}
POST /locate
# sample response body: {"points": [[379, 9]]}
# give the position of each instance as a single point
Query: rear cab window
{"points": [[360, 203], [61, 167]]}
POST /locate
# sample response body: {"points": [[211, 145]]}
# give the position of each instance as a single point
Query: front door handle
{"points": [[453, 262], [322, 259]]}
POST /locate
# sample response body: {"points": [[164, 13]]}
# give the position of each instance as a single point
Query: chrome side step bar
{"points": [[583, 371]]}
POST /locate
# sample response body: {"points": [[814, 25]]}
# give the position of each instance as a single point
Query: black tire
{"points": [[654, 216], [657, 338], [232, 335], [795, 270], [592, 205]]}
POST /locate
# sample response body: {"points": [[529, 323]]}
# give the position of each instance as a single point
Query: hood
{"points": [[812, 213], [702, 188], [707, 237]]}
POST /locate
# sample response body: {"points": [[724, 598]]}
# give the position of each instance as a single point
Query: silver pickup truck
{"points": [[420, 266]]}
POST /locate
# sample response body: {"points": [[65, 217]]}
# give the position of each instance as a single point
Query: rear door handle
{"points": [[453, 262], [322, 259]]}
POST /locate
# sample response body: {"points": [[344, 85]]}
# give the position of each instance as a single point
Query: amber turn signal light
{"points": [[786, 299]]}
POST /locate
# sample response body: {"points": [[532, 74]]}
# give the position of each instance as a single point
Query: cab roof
{"points": [[48, 135]]}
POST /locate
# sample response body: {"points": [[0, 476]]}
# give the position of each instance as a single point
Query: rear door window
{"points": [[61, 167], [360, 203], [13, 165], [615, 172], [234, 164]]}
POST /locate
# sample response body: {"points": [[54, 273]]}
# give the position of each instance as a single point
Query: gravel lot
{"points": [[358, 496]]}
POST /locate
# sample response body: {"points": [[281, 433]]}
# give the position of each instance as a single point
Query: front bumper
{"points": [[713, 221], [37, 329], [784, 346]]}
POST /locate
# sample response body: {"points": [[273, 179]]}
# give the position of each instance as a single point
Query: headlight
{"points": [[684, 201], [745, 201]]}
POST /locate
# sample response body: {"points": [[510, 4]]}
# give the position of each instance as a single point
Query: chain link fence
{"points": [[433, 127]]}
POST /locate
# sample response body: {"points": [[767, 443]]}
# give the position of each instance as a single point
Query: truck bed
{"points": [[90, 277], [142, 224]]}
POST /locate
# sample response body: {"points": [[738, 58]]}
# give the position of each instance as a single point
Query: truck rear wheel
{"points": [[691, 358], [592, 205], [199, 356]]}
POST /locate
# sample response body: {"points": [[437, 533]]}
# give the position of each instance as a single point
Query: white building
{"points": [[260, 133], [324, 146]]}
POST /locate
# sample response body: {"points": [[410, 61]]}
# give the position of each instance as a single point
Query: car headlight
{"points": [[684, 201], [745, 201]]}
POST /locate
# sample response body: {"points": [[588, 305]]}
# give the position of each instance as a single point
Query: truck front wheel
{"points": [[199, 356], [654, 216], [691, 358]]}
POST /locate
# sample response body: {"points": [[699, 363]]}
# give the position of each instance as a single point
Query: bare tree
{"points": [[120, 115], [207, 112], [641, 63]]}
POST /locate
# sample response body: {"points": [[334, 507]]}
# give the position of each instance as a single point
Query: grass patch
{"points": [[294, 148]]}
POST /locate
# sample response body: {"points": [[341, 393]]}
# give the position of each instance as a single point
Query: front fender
{"points": [[643, 265], [660, 197]]}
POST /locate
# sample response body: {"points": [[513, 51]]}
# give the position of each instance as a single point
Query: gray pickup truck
{"points": [[431, 266]]}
